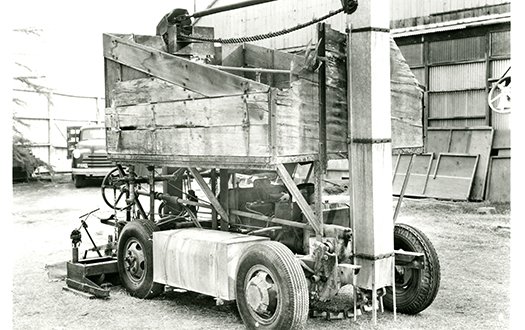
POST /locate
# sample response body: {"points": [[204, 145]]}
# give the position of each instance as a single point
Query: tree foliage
{"points": [[22, 155]]}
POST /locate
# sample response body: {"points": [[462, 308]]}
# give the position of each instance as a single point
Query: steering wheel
{"points": [[112, 185], [499, 96]]}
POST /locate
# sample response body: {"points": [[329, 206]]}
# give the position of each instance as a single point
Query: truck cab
{"points": [[89, 156]]}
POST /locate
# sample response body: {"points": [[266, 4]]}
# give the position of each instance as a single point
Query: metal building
{"points": [[455, 48]]}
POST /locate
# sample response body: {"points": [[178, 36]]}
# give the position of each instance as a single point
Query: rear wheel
{"points": [[271, 288], [135, 259], [416, 289]]}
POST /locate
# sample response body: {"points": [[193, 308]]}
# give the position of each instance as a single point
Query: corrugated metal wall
{"points": [[459, 70], [284, 13], [274, 16], [457, 67], [402, 9]]}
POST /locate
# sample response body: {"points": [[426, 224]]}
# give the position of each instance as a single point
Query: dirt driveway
{"points": [[473, 249]]}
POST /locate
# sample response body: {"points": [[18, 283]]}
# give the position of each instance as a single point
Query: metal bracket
{"points": [[303, 204]]}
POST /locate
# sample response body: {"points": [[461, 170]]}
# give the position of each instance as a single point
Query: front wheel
{"points": [[271, 288], [80, 181], [416, 289], [135, 259]]}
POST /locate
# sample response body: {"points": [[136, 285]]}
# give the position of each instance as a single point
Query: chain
{"points": [[265, 35]]}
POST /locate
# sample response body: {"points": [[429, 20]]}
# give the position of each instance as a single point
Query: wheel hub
{"points": [[260, 294], [134, 261]]}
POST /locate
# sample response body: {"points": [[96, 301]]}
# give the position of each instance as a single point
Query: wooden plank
{"points": [[336, 92], [297, 120], [453, 177], [179, 71], [472, 141], [242, 111], [499, 180], [261, 57], [501, 139], [209, 194], [149, 90], [235, 57], [475, 142], [145, 40], [322, 70], [112, 75], [234, 141], [131, 74], [299, 198], [226, 162]]}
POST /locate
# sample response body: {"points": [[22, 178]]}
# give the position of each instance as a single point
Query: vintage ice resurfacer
{"points": [[253, 128]]}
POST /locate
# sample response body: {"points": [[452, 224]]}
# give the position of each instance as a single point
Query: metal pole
{"points": [[403, 188], [151, 193], [232, 6]]}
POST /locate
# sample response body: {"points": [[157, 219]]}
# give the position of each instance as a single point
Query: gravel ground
{"points": [[473, 249]]}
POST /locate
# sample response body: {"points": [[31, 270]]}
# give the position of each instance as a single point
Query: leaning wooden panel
{"points": [[498, 183], [419, 174], [453, 177]]}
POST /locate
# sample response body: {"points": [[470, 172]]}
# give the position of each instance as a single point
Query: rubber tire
{"points": [[293, 311], [142, 230], [420, 293], [80, 181]]}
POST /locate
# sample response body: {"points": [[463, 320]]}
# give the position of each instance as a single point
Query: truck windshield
{"points": [[93, 134]]}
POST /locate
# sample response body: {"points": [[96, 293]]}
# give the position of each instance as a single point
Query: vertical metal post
{"points": [[321, 52], [369, 145], [349, 138], [224, 177], [318, 195], [213, 182], [374, 302], [151, 170], [49, 127], [404, 187], [394, 299]]}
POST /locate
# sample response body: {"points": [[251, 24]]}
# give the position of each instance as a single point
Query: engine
{"points": [[274, 201]]}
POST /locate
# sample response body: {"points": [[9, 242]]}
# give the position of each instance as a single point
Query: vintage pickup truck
{"points": [[89, 158]]}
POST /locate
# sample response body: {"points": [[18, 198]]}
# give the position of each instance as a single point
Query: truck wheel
{"points": [[415, 288], [271, 288], [80, 181], [135, 259]]}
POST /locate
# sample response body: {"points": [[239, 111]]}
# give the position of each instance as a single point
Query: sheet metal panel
{"points": [[199, 260], [457, 77], [415, 8], [413, 54], [420, 75], [457, 123], [500, 121], [455, 50], [274, 16], [453, 104], [498, 68], [500, 43]]}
